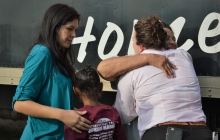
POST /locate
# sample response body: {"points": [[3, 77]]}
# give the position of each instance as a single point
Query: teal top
{"points": [[43, 83]]}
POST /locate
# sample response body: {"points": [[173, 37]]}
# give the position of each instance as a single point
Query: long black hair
{"points": [[56, 16]]}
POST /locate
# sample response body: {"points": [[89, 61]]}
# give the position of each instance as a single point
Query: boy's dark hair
{"points": [[150, 33], [87, 80]]}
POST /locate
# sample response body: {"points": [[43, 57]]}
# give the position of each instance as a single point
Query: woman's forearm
{"points": [[34, 109], [71, 118], [110, 68]]}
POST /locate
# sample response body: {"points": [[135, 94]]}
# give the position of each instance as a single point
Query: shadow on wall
{"points": [[206, 67], [211, 109]]}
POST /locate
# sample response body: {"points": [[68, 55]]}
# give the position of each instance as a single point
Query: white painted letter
{"points": [[177, 26], [205, 32], [131, 49], [84, 40], [117, 47]]}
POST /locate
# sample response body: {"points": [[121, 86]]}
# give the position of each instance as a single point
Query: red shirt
{"points": [[106, 125]]}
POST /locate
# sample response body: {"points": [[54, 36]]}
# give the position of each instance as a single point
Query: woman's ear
{"points": [[57, 30]]}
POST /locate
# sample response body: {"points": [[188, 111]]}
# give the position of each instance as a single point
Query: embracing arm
{"points": [[110, 68], [71, 118]]}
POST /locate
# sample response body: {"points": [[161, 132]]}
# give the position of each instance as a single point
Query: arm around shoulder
{"points": [[110, 68]]}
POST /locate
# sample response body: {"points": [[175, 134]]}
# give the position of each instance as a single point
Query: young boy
{"points": [[106, 122]]}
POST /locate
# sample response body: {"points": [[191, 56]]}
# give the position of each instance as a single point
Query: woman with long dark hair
{"points": [[44, 92]]}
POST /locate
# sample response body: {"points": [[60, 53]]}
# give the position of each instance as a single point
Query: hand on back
{"points": [[162, 63], [75, 121]]}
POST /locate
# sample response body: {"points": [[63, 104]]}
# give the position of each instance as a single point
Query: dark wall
{"points": [[20, 21]]}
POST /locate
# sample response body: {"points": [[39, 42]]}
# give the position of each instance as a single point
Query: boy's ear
{"points": [[76, 90], [100, 86]]}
